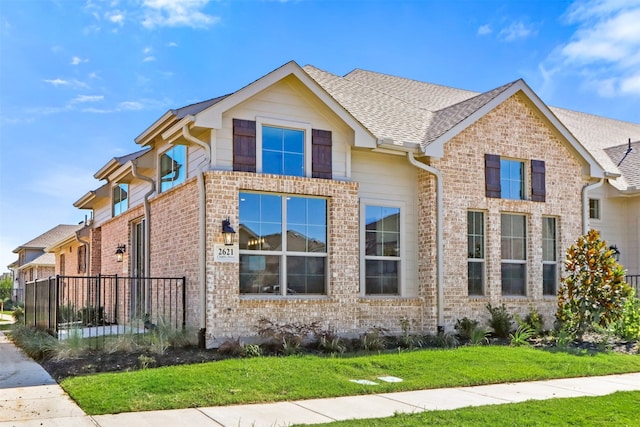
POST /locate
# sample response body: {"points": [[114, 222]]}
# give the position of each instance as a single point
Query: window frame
{"points": [[505, 178], [284, 252], [554, 262], [364, 203], [284, 124], [514, 261], [595, 209], [122, 205], [168, 185], [477, 260]]}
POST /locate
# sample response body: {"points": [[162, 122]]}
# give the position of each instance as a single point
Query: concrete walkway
{"points": [[30, 397]]}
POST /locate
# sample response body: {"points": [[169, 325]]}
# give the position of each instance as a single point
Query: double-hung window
{"points": [[283, 244], [173, 167], [594, 209], [514, 254], [120, 198], [511, 179], [382, 250], [506, 178], [475, 252], [549, 256]]}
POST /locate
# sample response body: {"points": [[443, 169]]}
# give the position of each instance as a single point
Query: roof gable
{"points": [[54, 235], [627, 160]]}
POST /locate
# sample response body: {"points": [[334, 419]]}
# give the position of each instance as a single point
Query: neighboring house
{"points": [[34, 262], [614, 203], [358, 201]]}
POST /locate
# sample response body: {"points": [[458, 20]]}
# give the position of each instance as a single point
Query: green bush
{"points": [[500, 321], [594, 291], [533, 320], [465, 327], [628, 327]]}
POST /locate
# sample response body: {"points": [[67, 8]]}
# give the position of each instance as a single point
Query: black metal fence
{"points": [[104, 305], [634, 281]]}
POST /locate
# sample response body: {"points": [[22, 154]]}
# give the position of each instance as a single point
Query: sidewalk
{"points": [[30, 397]]}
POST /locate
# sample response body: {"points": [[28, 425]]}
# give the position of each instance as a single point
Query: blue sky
{"points": [[79, 80]]}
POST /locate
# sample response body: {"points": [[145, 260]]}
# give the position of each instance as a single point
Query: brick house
{"points": [[357, 201]]}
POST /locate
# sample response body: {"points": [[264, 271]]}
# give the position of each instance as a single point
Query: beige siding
{"points": [[384, 179]]}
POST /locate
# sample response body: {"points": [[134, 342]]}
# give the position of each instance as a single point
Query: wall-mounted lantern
{"points": [[616, 252], [228, 232], [120, 250]]}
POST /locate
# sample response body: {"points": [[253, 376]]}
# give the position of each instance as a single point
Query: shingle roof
{"points": [[44, 259], [409, 111], [627, 159], [54, 235]]}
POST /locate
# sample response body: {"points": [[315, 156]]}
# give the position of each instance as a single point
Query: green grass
{"points": [[271, 379], [617, 409]]}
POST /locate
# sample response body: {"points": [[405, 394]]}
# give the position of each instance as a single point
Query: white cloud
{"points": [[177, 13], [605, 47], [516, 30], [149, 59], [116, 17], [130, 105], [172, 44], [484, 30], [76, 60], [87, 98], [70, 83]]}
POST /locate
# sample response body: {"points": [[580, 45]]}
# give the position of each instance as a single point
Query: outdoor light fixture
{"points": [[227, 232], [616, 252], [120, 252]]}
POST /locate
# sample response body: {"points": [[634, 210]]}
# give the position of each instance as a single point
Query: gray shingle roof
{"points": [[627, 159], [52, 236], [409, 111]]}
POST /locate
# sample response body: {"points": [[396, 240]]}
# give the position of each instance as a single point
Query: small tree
{"points": [[6, 285], [594, 291]]}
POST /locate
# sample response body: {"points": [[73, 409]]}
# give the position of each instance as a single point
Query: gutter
{"points": [[202, 225], [439, 234], [147, 216]]}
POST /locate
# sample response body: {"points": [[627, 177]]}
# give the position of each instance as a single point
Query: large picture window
{"points": [[514, 254], [382, 250], [282, 151], [549, 256], [172, 167], [120, 198], [283, 244], [475, 252]]}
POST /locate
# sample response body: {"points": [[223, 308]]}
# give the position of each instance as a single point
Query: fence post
{"points": [[116, 308], [57, 304], [184, 302]]}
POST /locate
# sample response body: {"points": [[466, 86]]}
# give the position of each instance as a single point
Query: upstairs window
{"points": [[506, 178], [172, 167], [594, 209], [120, 198], [282, 151], [382, 250]]}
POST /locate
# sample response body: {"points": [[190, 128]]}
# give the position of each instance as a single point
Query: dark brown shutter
{"points": [[492, 175], [321, 166], [538, 189], [244, 145]]}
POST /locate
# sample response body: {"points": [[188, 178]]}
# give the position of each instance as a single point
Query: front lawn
{"points": [[271, 379], [617, 409]]}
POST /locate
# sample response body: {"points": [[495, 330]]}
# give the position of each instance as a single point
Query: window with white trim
{"points": [[173, 169], [513, 243], [283, 244], [120, 199], [549, 256], [594, 208], [283, 151], [475, 252], [382, 250]]}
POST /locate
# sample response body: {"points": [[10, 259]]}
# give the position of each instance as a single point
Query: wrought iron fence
{"points": [[103, 305], [634, 281]]}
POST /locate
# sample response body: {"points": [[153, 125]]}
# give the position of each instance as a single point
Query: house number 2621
{"points": [[225, 252]]}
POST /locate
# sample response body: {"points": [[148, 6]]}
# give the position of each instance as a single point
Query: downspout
{"points": [[147, 216], [202, 230], [439, 234], [585, 203]]}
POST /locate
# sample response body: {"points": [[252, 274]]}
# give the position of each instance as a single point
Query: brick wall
{"points": [[513, 130]]}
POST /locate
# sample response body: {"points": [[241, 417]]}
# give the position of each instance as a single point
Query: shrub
{"points": [[444, 340], [374, 339], [478, 336], [408, 339], [501, 321], [533, 320], [628, 327], [232, 347], [18, 314], [286, 338], [520, 337], [594, 291], [465, 327], [252, 350], [36, 343]]}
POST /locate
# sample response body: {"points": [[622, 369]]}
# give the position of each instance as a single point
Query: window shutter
{"points": [[492, 175], [244, 145], [538, 189], [321, 166]]}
